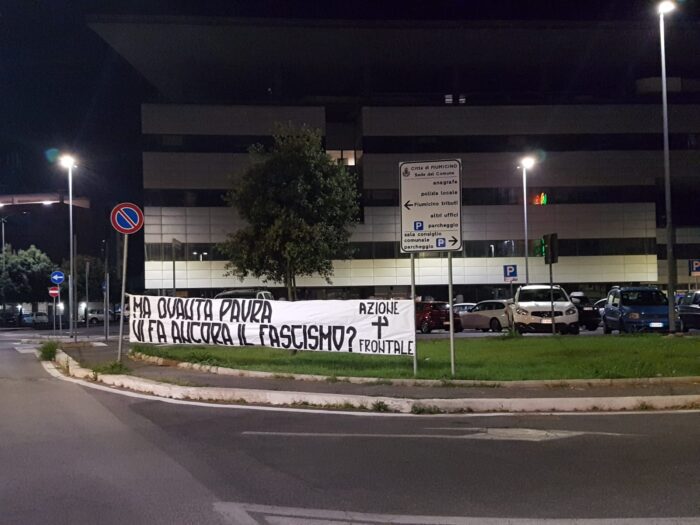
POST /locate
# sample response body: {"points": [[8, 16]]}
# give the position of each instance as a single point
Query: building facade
{"points": [[598, 182]]}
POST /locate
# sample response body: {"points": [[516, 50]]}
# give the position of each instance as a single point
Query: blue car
{"points": [[636, 309]]}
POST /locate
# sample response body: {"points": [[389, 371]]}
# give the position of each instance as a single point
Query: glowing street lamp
{"points": [[664, 8], [526, 163], [68, 162]]}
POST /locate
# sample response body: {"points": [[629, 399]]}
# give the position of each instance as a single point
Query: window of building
{"points": [[346, 157], [154, 251]]}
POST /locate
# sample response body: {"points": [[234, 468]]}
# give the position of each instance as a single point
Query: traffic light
{"points": [[551, 248], [540, 247]]}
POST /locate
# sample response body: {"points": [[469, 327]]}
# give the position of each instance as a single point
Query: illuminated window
{"points": [[346, 157]]}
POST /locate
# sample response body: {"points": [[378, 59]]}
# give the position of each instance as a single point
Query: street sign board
{"points": [[53, 291], [510, 273], [127, 218], [431, 205], [694, 267], [57, 277]]}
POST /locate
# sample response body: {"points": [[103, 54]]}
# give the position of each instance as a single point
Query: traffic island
{"points": [[501, 400]]}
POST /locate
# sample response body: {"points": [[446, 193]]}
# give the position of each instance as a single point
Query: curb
{"points": [[553, 383], [376, 403]]}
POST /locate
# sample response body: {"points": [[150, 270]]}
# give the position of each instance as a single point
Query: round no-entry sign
{"points": [[127, 218], [53, 291]]}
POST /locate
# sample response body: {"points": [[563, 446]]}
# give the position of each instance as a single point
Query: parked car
{"points": [[435, 315], [245, 293], [588, 314], [96, 316], [487, 315], [532, 310], [35, 320], [600, 305], [118, 312], [689, 311], [8, 318], [636, 309], [458, 308]]}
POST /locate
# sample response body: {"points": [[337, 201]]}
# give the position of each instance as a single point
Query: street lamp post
{"points": [[68, 162], [3, 220], [526, 163], [664, 8]]}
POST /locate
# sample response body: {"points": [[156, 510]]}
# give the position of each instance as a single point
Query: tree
{"points": [[298, 204], [26, 276]]}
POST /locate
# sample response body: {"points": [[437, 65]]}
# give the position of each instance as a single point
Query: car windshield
{"points": [[688, 299], [643, 298], [540, 295], [441, 306]]}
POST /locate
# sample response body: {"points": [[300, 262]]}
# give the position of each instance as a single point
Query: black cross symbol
{"points": [[381, 321]]}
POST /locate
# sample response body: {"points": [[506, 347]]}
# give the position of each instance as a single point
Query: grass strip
{"points": [[482, 359]]}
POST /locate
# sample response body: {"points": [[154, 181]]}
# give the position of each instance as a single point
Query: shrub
{"points": [[47, 350], [380, 406], [112, 367]]}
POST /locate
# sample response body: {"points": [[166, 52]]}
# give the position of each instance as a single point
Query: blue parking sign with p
{"points": [[694, 265], [418, 226], [510, 270]]}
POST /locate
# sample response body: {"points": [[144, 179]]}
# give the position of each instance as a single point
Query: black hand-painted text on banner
{"points": [[365, 327]]}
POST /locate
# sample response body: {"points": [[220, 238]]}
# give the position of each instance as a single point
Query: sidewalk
{"points": [[91, 356]]}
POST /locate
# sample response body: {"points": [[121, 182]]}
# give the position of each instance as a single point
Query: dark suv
{"points": [[636, 309], [435, 315], [588, 314], [689, 310]]}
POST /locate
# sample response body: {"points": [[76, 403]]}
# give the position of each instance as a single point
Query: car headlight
{"points": [[520, 311], [570, 311], [633, 315]]}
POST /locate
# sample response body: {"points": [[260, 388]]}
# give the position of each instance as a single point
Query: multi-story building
{"points": [[584, 98]]}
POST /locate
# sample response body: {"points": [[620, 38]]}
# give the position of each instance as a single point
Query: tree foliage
{"points": [[26, 275], [298, 204]]}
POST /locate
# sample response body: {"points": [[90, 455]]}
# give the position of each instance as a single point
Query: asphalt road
{"points": [[72, 454]]}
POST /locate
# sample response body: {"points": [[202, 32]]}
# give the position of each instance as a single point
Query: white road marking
{"points": [[248, 514], [51, 369], [516, 432], [26, 349], [496, 434]]}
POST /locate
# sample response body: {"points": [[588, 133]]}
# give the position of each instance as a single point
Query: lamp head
{"points": [[66, 161], [665, 7], [527, 162]]}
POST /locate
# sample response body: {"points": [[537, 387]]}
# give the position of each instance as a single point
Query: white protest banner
{"points": [[363, 327]]}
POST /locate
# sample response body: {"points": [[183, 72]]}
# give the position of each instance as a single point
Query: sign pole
{"points": [[172, 248], [551, 298], [54, 317], [413, 298], [452, 313], [107, 308], [121, 317], [87, 294], [60, 317]]}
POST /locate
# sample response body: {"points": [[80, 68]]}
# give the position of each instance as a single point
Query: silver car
{"points": [[487, 315]]}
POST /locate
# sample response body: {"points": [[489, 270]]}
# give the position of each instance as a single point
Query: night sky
{"points": [[62, 87]]}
